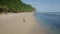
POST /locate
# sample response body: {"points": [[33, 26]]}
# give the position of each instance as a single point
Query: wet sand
{"points": [[20, 23]]}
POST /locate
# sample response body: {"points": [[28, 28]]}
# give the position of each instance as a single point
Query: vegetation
{"points": [[14, 6]]}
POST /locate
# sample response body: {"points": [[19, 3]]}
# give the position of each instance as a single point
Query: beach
{"points": [[19, 23]]}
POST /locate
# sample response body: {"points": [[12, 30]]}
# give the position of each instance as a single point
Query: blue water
{"points": [[50, 18]]}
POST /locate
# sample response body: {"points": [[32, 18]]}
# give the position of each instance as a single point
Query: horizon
{"points": [[44, 5]]}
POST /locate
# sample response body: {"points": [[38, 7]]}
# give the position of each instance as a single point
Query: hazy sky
{"points": [[45, 5]]}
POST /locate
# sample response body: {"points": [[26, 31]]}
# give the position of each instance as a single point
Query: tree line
{"points": [[15, 6]]}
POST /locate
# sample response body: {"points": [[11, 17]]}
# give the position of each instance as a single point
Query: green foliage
{"points": [[15, 6]]}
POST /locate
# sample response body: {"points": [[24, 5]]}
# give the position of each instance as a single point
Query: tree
{"points": [[15, 6]]}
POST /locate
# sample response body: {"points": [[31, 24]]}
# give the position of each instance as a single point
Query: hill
{"points": [[15, 6]]}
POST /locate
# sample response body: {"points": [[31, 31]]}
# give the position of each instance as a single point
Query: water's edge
{"points": [[49, 21]]}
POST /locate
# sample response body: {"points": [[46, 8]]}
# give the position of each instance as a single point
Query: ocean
{"points": [[50, 20]]}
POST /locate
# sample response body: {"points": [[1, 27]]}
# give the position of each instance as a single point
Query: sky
{"points": [[44, 5]]}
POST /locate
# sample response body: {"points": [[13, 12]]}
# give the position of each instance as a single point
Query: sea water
{"points": [[50, 20]]}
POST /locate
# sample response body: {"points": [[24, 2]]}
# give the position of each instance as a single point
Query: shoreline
{"points": [[13, 24]]}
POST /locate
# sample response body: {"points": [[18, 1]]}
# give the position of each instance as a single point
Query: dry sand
{"points": [[20, 23]]}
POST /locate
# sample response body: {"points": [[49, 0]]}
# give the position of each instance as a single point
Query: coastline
{"points": [[12, 23]]}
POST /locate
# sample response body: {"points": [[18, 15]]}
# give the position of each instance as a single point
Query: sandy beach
{"points": [[20, 23]]}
